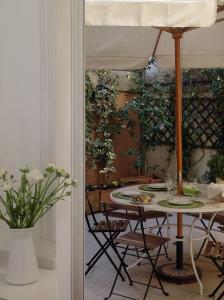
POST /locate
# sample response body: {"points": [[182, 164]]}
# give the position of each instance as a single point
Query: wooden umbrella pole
{"points": [[177, 35]]}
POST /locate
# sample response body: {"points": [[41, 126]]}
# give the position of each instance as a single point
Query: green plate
{"points": [[194, 204], [146, 188]]}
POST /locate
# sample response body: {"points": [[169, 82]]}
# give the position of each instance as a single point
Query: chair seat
{"points": [[219, 218], [115, 226], [214, 250], [154, 214], [136, 239], [134, 216]]}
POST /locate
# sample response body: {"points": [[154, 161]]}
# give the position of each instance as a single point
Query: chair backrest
{"points": [[139, 210], [91, 213]]}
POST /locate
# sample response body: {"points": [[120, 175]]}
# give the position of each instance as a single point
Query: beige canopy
{"points": [[121, 35]]}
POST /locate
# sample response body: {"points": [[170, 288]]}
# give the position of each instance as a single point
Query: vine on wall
{"points": [[154, 106], [103, 120], [151, 105]]}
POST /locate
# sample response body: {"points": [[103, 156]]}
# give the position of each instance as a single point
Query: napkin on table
{"points": [[215, 191]]}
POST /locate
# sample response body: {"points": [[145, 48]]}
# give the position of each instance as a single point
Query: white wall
{"points": [[160, 155], [24, 121], [41, 119]]}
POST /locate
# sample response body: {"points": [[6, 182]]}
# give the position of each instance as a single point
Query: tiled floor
{"points": [[99, 280]]}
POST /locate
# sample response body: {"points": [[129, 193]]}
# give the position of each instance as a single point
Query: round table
{"points": [[208, 207]]}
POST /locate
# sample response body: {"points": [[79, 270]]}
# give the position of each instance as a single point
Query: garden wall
{"points": [[160, 155], [122, 142]]}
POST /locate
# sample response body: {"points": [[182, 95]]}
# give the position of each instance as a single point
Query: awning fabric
{"points": [[122, 38], [166, 13]]}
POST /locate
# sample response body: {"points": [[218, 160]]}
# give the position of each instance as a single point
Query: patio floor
{"points": [[99, 280]]}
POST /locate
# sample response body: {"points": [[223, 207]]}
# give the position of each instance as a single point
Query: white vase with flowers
{"points": [[23, 203]]}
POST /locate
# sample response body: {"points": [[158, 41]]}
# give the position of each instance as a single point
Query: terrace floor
{"points": [[99, 280]]}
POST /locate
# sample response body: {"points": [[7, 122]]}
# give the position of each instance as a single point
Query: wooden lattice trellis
{"points": [[202, 120]]}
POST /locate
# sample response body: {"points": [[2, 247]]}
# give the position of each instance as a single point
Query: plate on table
{"points": [[180, 201], [159, 187], [130, 193]]}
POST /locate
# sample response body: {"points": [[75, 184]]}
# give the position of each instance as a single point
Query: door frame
{"points": [[78, 148], [70, 144]]}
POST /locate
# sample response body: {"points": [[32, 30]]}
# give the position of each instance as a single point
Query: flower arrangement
{"points": [[26, 201]]}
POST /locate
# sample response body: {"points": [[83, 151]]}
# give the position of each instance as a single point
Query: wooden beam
{"points": [[157, 42]]}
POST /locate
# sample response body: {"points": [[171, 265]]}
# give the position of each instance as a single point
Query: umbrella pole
{"points": [[178, 272], [177, 36]]}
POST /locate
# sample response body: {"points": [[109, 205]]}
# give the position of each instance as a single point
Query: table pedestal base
{"points": [[170, 273]]}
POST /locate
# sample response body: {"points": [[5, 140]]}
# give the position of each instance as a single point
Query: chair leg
{"points": [[116, 277], [98, 254], [96, 257], [220, 268], [129, 223], [108, 256], [221, 296], [203, 244], [154, 270], [151, 275], [160, 233], [201, 248], [122, 260], [216, 289]]}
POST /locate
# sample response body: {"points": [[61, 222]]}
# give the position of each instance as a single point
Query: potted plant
{"points": [[216, 165], [23, 203]]}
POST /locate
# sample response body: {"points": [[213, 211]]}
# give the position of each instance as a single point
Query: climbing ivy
{"points": [[152, 102], [103, 120]]}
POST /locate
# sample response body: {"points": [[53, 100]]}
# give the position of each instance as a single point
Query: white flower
{"points": [[34, 176], [24, 169], [69, 182], [2, 172], [6, 186], [51, 167], [61, 172]]}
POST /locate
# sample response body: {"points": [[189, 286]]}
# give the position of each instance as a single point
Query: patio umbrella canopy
{"points": [[120, 34], [124, 34]]}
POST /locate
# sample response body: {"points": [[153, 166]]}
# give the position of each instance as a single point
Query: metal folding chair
{"points": [[219, 219], [145, 243], [103, 227], [215, 251]]}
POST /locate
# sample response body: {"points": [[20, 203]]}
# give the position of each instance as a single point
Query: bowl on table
{"points": [[189, 190]]}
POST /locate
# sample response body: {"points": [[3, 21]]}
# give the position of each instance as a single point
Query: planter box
{"points": [[94, 199], [136, 179], [105, 195]]}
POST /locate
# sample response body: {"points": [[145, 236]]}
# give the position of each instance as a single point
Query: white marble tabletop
{"points": [[209, 206]]}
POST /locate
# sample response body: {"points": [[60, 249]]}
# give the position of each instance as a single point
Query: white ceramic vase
{"points": [[22, 265]]}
